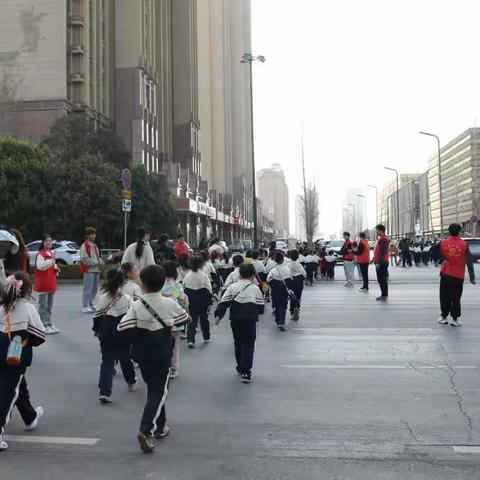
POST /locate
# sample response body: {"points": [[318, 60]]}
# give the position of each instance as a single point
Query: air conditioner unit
{"points": [[77, 78], [77, 20], [77, 49]]}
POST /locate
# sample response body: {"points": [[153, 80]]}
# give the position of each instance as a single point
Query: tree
{"points": [[310, 212]]}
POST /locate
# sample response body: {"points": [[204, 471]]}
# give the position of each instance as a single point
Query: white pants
{"points": [[349, 267]]}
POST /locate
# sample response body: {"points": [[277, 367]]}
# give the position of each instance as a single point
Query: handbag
{"points": [[15, 346]]}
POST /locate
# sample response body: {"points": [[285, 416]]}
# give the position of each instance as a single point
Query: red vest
{"points": [[349, 246], [453, 251], [364, 257], [376, 253], [46, 280], [88, 248]]}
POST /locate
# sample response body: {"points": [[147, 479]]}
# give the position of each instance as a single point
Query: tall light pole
{"points": [[249, 58], [364, 210], [376, 203], [439, 179], [398, 201], [354, 217]]}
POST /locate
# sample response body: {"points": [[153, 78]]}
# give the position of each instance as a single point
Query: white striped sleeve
{"points": [[129, 320]]}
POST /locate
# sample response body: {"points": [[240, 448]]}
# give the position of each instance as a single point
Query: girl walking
{"points": [[19, 323], [140, 253], [46, 283], [131, 287]]}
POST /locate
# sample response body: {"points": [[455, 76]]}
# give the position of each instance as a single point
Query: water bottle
{"points": [[14, 352]]}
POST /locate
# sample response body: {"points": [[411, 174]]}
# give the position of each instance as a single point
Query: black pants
{"points": [[297, 287], [364, 272], [154, 414], [280, 304], [198, 313], [406, 258], [310, 268], [331, 270], [114, 349], [451, 290], [14, 393], [244, 336], [382, 277]]}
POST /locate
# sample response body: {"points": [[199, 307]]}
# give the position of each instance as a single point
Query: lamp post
{"points": [[354, 217], [249, 58], [364, 210], [376, 203], [398, 201], [440, 193]]}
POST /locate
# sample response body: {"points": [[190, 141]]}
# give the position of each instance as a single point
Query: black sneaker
{"points": [[238, 370], [163, 433], [296, 314], [282, 328], [246, 378], [146, 443]]}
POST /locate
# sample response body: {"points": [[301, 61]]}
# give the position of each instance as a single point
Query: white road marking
{"points": [[382, 367], [52, 440], [466, 449]]}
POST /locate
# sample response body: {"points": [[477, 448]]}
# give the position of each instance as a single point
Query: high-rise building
{"points": [[273, 192]]}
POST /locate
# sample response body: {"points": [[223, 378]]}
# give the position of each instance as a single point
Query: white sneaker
{"points": [[3, 443], [34, 424], [54, 330], [442, 321], [454, 323], [88, 310], [173, 373], [191, 345], [105, 399]]}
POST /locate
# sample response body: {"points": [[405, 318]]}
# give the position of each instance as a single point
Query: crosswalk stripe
{"points": [[52, 440]]}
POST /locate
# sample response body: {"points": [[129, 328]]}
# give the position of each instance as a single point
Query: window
{"points": [[33, 247]]}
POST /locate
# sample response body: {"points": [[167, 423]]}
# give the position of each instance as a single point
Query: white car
{"points": [[66, 252]]}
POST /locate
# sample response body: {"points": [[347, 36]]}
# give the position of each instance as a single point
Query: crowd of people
{"points": [[160, 295]]}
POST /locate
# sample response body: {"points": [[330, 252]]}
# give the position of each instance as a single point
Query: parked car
{"points": [[336, 246], [115, 257], [66, 252], [236, 246], [474, 246]]}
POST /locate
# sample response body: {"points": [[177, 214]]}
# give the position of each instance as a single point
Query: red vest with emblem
{"points": [[88, 248], [453, 251], [349, 256], [364, 257], [376, 253], [46, 280]]}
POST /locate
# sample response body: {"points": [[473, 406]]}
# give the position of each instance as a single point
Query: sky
{"points": [[364, 77]]}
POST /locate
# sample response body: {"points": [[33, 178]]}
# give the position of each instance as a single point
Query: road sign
{"points": [[126, 194], [474, 219], [126, 205], [126, 179]]}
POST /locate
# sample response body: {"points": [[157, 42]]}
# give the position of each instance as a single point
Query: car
{"points": [[474, 246], [237, 246], [247, 245], [66, 252], [115, 257], [335, 247]]}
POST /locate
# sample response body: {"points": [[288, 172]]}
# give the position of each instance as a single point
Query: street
{"points": [[355, 390]]}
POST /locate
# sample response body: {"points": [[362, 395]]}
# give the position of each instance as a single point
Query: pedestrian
{"points": [[20, 325], [152, 318], [280, 280], [362, 257], [426, 254], [162, 251], [298, 281], [140, 253], [174, 290], [131, 287], [235, 275], [90, 263], [8, 246], [381, 258], [20, 261], [180, 247], [311, 261], [404, 247], [394, 254], [113, 304], [454, 255], [245, 301], [417, 254], [348, 257], [216, 247], [322, 262], [198, 288], [331, 260], [184, 267], [210, 268], [46, 283]]}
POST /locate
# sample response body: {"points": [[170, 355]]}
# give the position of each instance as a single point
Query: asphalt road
{"points": [[355, 390]]}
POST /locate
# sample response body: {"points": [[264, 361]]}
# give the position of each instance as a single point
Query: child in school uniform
{"points": [[311, 262], [331, 260], [152, 318], [18, 318], [112, 305], [245, 301], [235, 275], [131, 286], [198, 288], [298, 279]]}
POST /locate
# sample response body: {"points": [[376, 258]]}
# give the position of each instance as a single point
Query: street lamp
{"points": [[354, 217], [439, 178], [364, 209], [376, 202], [398, 201], [249, 58]]}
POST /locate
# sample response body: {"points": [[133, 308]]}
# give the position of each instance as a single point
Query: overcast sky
{"points": [[364, 76]]}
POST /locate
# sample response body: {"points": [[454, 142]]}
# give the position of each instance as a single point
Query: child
{"points": [[174, 290], [331, 260], [298, 277], [113, 304], [46, 283], [311, 261], [323, 263], [235, 275], [131, 286], [18, 317], [245, 301], [211, 261], [225, 267], [184, 267], [280, 281], [152, 318], [198, 288]]}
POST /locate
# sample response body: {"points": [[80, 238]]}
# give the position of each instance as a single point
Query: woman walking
{"points": [[140, 253], [46, 283]]}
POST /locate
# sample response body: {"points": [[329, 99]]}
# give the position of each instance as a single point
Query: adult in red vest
{"points": [[46, 283], [455, 254], [381, 258], [347, 251], [362, 256], [90, 262], [181, 247]]}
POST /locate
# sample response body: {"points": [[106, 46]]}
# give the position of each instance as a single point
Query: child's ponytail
{"points": [[17, 286]]}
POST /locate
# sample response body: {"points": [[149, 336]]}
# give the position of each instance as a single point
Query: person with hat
{"points": [[8, 246]]}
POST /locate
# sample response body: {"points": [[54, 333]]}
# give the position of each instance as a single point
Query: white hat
{"points": [[6, 236]]}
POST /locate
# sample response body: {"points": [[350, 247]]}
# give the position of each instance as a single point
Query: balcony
{"points": [[77, 49], [77, 78], [76, 20]]}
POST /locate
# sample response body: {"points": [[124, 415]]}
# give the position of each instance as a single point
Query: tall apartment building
{"points": [[273, 192]]}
